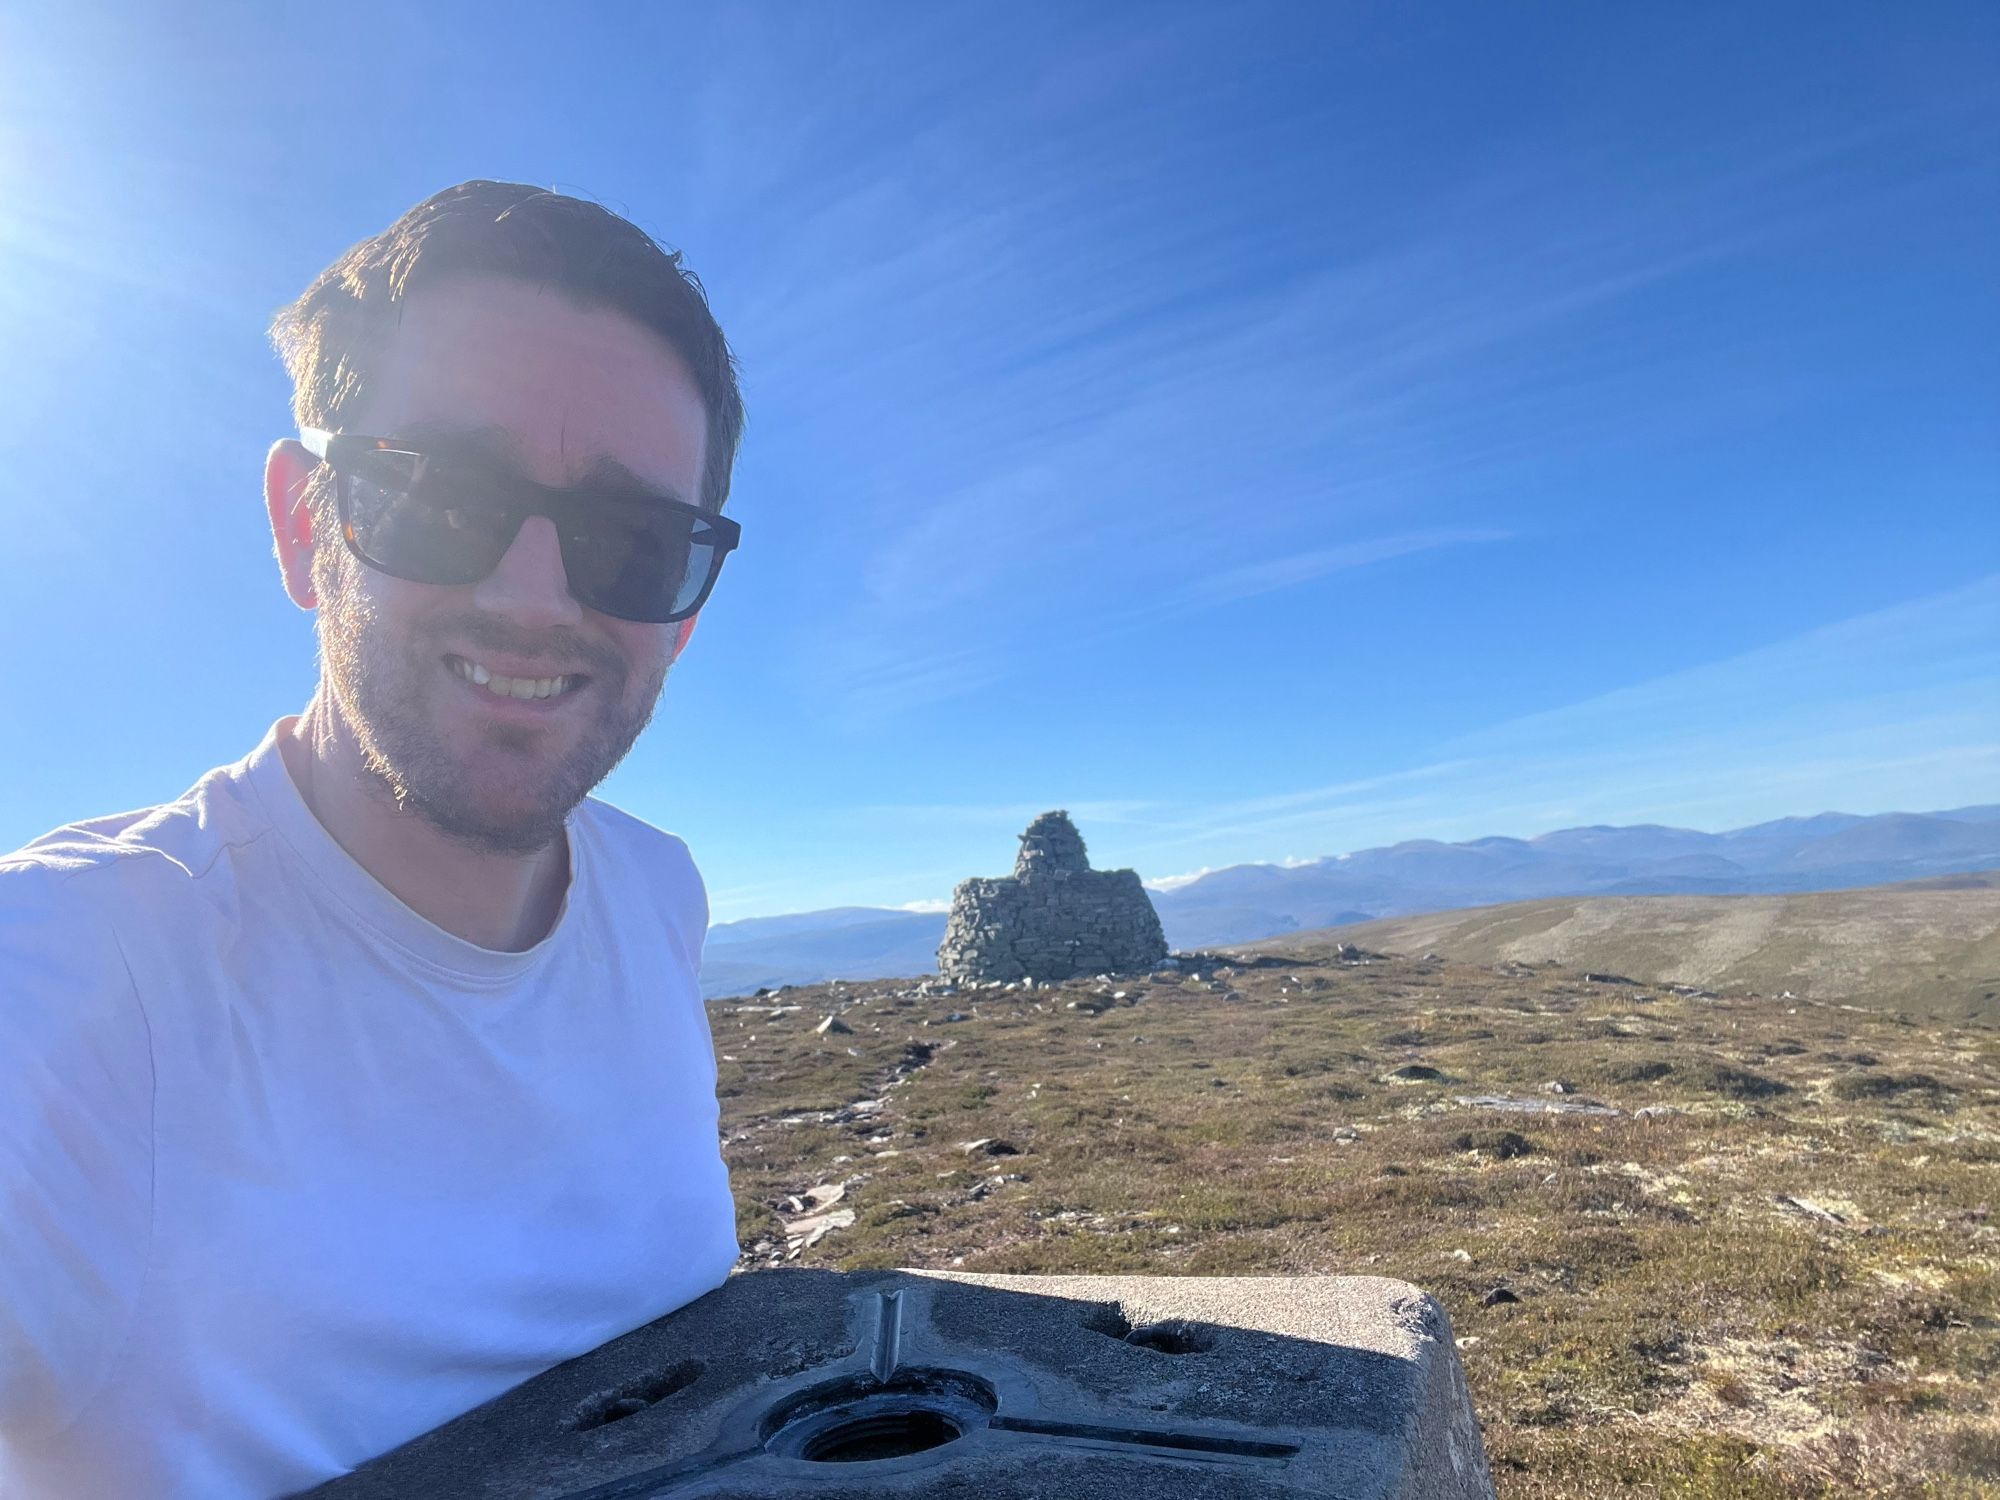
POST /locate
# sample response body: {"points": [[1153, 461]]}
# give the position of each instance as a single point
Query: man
{"points": [[371, 1077]]}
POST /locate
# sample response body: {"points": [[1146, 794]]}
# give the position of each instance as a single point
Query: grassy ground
{"points": [[1775, 1272], [1929, 947]]}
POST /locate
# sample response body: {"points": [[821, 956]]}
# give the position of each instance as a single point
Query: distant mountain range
{"points": [[1243, 903]]}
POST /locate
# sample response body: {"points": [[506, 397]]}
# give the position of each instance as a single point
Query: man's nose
{"points": [[530, 585]]}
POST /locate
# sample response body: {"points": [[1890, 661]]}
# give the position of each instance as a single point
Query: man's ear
{"points": [[680, 642], [286, 469]]}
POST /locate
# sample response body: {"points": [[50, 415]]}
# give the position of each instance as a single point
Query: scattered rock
{"points": [[1498, 1297], [1413, 1073], [803, 1234], [834, 1026], [988, 1146], [1593, 978], [1557, 1086], [1510, 1104], [816, 1199]]}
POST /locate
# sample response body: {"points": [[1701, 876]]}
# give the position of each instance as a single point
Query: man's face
{"points": [[541, 386]]}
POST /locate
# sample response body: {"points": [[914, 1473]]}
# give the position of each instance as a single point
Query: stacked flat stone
{"points": [[1053, 918]]}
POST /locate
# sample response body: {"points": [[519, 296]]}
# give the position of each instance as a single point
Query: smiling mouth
{"points": [[515, 687]]}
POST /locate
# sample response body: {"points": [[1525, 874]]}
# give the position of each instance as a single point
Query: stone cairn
{"points": [[1053, 918]]}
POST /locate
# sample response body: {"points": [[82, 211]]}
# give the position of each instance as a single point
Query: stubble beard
{"points": [[386, 691]]}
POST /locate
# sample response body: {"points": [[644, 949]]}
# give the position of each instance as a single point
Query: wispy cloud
{"points": [[1249, 579], [1088, 453]]}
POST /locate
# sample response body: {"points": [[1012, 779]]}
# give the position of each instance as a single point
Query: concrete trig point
{"points": [[849, 1386]]}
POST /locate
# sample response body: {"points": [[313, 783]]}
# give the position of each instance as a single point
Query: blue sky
{"points": [[1266, 431]]}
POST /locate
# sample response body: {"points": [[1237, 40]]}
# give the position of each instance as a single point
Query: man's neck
{"points": [[506, 902]]}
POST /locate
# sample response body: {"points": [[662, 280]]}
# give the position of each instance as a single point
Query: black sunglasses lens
{"points": [[412, 520], [638, 562]]}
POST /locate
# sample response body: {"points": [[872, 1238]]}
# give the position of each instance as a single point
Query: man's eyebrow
{"points": [[494, 443], [608, 473]]}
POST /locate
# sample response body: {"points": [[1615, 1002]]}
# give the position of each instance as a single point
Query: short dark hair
{"points": [[331, 337]]}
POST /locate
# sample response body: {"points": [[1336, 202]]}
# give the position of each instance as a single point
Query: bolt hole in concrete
{"points": [[631, 1399], [1170, 1336], [889, 1435], [860, 1420]]}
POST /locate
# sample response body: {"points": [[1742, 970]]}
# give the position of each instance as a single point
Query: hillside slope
{"points": [[1927, 947]]}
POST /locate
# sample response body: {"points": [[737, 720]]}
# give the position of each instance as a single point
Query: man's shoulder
{"points": [[93, 860], [633, 837], [64, 965], [634, 847]]}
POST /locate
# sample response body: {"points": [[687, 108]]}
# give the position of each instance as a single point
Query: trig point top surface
{"points": [[820, 1385]]}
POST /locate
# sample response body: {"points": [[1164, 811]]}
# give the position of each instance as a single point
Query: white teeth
{"points": [[509, 687]]}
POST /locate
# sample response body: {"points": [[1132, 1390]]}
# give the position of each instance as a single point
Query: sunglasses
{"points": [[433, 518]]}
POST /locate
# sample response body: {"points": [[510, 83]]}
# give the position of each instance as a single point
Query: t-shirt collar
{"points": [[268, 778]]}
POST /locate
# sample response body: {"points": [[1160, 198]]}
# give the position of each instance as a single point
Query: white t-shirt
{"points": [[289, 1175]]}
